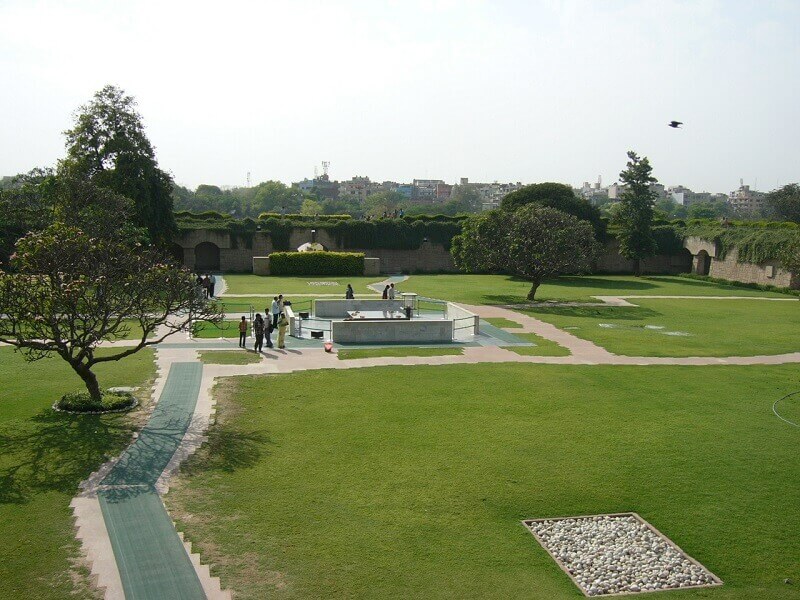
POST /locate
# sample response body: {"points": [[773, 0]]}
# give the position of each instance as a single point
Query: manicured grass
{"points": [[347, 354], [226, 329], [274, 285], [410, 482], [44, 455], [229, 357], [684, 327], [502, 289], [543, 347], [503, 323]]}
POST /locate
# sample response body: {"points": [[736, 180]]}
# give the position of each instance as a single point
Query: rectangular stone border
{"points": [[526, 522]]}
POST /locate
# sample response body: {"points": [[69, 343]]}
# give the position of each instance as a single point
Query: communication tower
{"points": [[325, 165], [248, 179]]}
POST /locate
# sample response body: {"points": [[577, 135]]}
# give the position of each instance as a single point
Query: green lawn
{"points": [[229, 357], [543, 347], [226, 329], [502, 322], [346, 354], [502, 289], [684, 327], [44, 455], [274, 285], [410, 482]]}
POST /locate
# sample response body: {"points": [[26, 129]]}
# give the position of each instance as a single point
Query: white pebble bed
{"points": [[617, 554]]}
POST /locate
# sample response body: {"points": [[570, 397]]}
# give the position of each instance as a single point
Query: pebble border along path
{"points": [[618, 554]]}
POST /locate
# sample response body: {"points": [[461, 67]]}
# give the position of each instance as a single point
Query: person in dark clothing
{"points": [[258, 332], [268, 330], [242, 332], [385, 295], [212, 281], [349, 294]]}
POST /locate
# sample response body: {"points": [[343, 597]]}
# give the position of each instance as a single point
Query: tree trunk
{"points": [[637, 269], [90, 380], [532, 292]]}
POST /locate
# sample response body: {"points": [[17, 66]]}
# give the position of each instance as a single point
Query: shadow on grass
{"points": [[54, 452], [601, 284], [613, 313], [229, 449]]}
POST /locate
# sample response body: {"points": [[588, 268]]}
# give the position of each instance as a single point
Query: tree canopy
{"points": [[559, 196], [784, 203], [635, 214], [533, 242], [72, 290], [108, 146]]}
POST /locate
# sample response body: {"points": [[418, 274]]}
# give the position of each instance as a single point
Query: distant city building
{"points": [[358, 188], [615, 191], [443, 192], [593, 192], [320, 186], [425, 190], [745, 200], [492, 194]]}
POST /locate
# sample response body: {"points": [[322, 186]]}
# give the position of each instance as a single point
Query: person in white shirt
{"points": [[391, 291]]}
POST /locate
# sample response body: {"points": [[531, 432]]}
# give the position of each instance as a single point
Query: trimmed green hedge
{"points": [[298, 218], [316, 263]]}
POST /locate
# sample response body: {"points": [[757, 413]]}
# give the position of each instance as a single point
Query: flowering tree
{"points": [[533, 242], [70, 291]]}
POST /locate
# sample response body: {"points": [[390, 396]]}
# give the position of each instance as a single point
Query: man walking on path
{"points": [[391, 291], [212, 281], [242, 332]]}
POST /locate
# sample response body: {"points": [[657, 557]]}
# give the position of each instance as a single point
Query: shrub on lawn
{"points": [[316, 263], [82, 402]]}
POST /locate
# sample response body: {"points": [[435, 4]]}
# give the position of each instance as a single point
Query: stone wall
{"points": [[768, 273], [612, 261], [236, 256]]}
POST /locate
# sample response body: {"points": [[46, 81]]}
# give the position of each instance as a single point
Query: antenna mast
{"points": [[248, 179], [325, 165]]}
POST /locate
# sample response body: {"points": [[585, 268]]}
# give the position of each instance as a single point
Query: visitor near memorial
{"points": [[242, 332], [258, 332], [283, 323]]}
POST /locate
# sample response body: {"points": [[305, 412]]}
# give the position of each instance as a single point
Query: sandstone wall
{"points": [[768, 273], [613, 262]]}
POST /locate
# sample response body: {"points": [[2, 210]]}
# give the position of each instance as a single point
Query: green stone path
{"points": [[152, 560]]}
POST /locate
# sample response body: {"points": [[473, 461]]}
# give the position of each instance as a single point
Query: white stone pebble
{"points": [[614, 554]]}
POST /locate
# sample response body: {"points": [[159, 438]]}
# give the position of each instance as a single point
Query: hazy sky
{"points": [[508, 91]]}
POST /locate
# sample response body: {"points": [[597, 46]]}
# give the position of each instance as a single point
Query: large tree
{"points": [[72, 290], [533, 242], [784, 203], [635, 214], [555, 195], [108, 147]]}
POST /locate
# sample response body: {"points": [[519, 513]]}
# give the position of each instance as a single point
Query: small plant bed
{"points": [[383, 352], [503, 323], [110, 402], [543, 347], [226, 329], [229, 357], [618, 554]]}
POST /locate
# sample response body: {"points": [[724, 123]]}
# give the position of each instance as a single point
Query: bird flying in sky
{"points": [[675, 124]]}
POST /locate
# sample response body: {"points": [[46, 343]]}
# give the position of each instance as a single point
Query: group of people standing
{"points": [[275, 319], [388, 292], [205, 285]]}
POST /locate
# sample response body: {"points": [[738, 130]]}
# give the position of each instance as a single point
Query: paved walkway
{"points": [[125, 530]]}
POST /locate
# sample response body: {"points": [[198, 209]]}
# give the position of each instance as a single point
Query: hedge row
{"points": [[316, 263], [304, 218]]}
